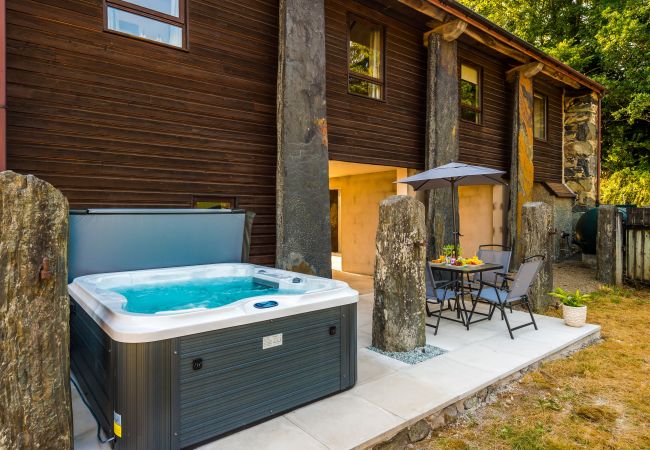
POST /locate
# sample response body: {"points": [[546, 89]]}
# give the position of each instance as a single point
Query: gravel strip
{"points": [[417, 355]]}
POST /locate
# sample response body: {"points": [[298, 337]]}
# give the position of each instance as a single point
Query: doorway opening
{"points": [[355, 193]]}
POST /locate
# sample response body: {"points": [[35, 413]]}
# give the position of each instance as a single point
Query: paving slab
{"points": [[275, 434], [344, 421], [389, 394]]}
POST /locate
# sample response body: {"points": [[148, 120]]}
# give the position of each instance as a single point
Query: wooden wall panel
{"points": [[363, 130], [117, 122], [488, 144], [547, 155]]}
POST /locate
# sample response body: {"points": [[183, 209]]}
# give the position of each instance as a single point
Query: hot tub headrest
{"points": [[117, 240]]}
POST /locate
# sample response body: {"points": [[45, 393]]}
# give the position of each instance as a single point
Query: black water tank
{"points": [[586, 231]]}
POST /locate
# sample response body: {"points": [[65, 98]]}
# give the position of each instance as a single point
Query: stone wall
{"points": [[581, 147]]}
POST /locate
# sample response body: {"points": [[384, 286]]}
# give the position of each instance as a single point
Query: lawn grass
{"points": [[599, 398]]}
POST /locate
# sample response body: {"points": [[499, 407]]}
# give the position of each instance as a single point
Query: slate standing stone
{"points": [[35, 407], [302, 185], [442, 139], [536, 238], [399, 310]]}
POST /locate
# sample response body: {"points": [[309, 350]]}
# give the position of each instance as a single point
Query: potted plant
{"points": [[574, 308]]}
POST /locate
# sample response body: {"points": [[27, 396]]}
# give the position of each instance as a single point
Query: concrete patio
{"points": [[391, 395]]}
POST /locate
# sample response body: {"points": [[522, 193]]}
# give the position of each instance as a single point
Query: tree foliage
{"points": [[608, 40]]}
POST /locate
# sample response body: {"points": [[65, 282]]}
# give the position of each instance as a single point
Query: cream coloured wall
{"points": [[481, 217], [359, 215]]}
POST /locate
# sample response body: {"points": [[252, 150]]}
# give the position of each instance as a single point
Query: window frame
{"points": [[545, 98], [180, 21], [382, 62], [479, 96]]}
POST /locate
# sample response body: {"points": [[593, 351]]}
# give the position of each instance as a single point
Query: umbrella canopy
{"points": [[456, 174], [452, 175]]}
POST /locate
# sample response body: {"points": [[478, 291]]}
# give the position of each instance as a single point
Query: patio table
{"points": [[458, 272]]}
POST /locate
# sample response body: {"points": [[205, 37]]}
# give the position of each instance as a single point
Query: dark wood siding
{"points": [[370, 131], [547, 155], [488, 144], [116, 122]]}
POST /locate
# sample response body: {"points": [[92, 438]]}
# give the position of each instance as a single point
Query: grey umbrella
{"points": [[454, 174]]}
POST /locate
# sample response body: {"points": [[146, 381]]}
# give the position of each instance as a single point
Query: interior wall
{"points": [[481, 217], [360, 196]]}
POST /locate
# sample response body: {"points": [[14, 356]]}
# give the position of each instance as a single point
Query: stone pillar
{"points": [[521, 166], [442, 145], [303, 228], [609, 246], [399, 311], [536, 237], [581, 147], [35, 408]]}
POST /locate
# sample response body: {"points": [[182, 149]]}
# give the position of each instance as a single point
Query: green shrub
{"points": [[628, 186]]}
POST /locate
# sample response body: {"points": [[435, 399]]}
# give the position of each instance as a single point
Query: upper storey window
{"points": [[161, 21], [470, 93], [365, 58], [539, 116]]}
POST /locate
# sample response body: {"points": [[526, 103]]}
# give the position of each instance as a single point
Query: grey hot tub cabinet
{"points": [[180, 392]]}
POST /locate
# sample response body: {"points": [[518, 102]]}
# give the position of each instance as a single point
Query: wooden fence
{"points": [[637, 246]]}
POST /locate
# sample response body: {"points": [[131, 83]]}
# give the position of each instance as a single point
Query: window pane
{"points": [[468, 94], [170, 7], [144, 27], [469, 115], [217, 204], [539, 117], [469, 74], [365, 88], [365, 48]]}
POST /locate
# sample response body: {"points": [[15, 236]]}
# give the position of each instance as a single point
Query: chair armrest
{"points": [[487, 283], [504, 275], [445, 284]]}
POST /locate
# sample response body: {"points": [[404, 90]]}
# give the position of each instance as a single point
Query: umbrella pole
{"points": [[453, 217]]}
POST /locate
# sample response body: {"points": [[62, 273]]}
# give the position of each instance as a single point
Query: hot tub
{"points": [[172, 357]]}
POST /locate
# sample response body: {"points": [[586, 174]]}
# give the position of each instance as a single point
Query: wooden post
{"points": [[399, 311], [536, 237], [442, 144], [35, 408], [303, 228], [521, 168], [609, 246]]}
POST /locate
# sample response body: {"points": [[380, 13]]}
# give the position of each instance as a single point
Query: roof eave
{"points": [[473, 18]]}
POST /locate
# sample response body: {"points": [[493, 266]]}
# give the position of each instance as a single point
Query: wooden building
{"points": [[202, 103]]}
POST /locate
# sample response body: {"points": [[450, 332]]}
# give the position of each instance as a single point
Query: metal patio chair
{"points": [[500, 298], [438, 291], [493, 254]]}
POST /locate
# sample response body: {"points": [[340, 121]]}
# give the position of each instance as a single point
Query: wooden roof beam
{"points": [[527, 70], [428, 9], [448, 30], [478, 35]]}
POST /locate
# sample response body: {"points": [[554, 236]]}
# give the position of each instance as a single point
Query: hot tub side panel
{"points": [[91, 363], [180, 392], [238, 381]]}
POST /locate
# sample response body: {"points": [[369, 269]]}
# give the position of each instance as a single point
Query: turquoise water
{"points": [[203, 293]]}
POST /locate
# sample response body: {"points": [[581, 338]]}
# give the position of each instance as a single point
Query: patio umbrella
{"points": [[454, 174]]}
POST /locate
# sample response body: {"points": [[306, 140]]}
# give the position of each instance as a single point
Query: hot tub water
{"points": [[197, 293]]}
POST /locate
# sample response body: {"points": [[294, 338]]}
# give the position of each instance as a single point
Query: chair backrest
{"points": [[431, 281], [525, 278], [493, 254], [428, 281]]}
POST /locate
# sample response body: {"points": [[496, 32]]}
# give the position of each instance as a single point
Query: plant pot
{"points": [[574, 316]]}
